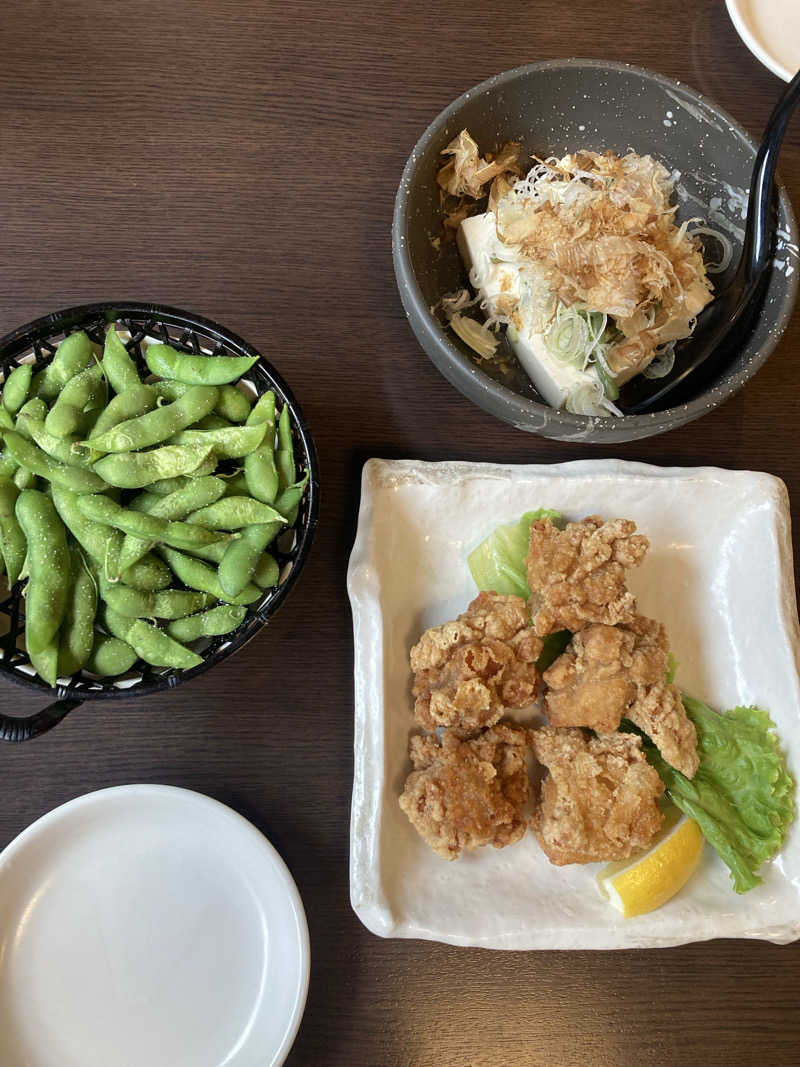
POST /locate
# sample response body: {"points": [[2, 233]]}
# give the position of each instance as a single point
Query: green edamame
{"points": [[242, 556], [48, 564], [267, 572], [24, 478], [232, 404], [284, 456], [64, 449], [167, 604], [118, 366], [6, 422], [212, 553], [16, 387], [156, 426], [288, 500], [73, 355], [261, 474], [229, 442], [45, 662], [134, 470], [150, 574], [234, 513], [213, 623], [82, 391], [213, 421], [31, 457], [197, 575], [101, 543], [12, 539], [76, 636], [8, 465], [110, 657], [145, 526], [150, 644], [135, 401], [197, 493], [167, 362]]}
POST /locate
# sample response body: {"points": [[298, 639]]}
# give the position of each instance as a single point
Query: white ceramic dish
{"points": [[719, 575], [771, 30], [148, 925]]}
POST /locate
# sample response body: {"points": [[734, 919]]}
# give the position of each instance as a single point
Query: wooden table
{"points": [[240, 159]]}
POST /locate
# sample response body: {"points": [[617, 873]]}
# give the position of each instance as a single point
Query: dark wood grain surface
{"points": [[239, 159]]}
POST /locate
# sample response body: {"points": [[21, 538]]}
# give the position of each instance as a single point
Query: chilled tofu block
{"points": [[494, 273]]}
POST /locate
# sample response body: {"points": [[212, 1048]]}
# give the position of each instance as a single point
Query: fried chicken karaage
{"points": [[608, 672], [467, 672], [598, 801], [464, 794], [577, 575]]}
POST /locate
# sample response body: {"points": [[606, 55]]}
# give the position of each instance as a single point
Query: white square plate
{"points": [[719, 575]]}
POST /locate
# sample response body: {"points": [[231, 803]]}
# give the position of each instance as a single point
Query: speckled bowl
{"points": [[556, 107]]}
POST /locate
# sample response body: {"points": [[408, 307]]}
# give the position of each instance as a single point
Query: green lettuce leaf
{"points": [[498, 564], [742, 796]]}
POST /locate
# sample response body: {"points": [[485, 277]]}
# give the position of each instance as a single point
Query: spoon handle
{"points": [[757, 249]]}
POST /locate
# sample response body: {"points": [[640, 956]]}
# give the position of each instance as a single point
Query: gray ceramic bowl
{"points": [[554, 108]]}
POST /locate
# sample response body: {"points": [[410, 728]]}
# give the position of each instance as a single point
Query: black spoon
{"points": [[711, 347]]}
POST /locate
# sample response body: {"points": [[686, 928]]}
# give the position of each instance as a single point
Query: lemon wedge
{"points": [[645, 882]]}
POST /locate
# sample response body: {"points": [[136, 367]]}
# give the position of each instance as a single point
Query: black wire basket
{"points": [[36, 342]]}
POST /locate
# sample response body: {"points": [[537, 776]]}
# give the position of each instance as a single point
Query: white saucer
{"points": [[771, 30], [148, 926]]}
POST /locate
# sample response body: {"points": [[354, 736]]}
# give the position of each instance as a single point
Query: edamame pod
{"points": [[156, 426], [150, 574], [134, 470], [73, 355], [232, 404], [48, 564], [145, 526], [45, 662], [213, 623], [229, 442], [261, 474], [82, 391], [288, 500], [64, 449], [167, 604], [76, 636], [167, 362], [36, 461], [16, 387], [110, 657], [197, 575], [234, 513], [242, 555], [197, 493], [267, 572], [101, 543], [135, 401], [284, 456], [118, 366], [12, 539], [151, 644]]}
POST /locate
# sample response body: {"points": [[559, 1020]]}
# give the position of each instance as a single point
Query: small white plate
{"points": [[719, 575], [771, 30], [148, 926]]}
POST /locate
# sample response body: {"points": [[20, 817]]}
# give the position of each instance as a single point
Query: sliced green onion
{"points": [[662, 364], [568, 336]]}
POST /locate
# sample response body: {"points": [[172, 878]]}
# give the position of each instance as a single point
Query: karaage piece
{"points": [[608, 672], [464, 794], [658, 710], [600, 673], [577, 575], [467, 672], [598, 801]]}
